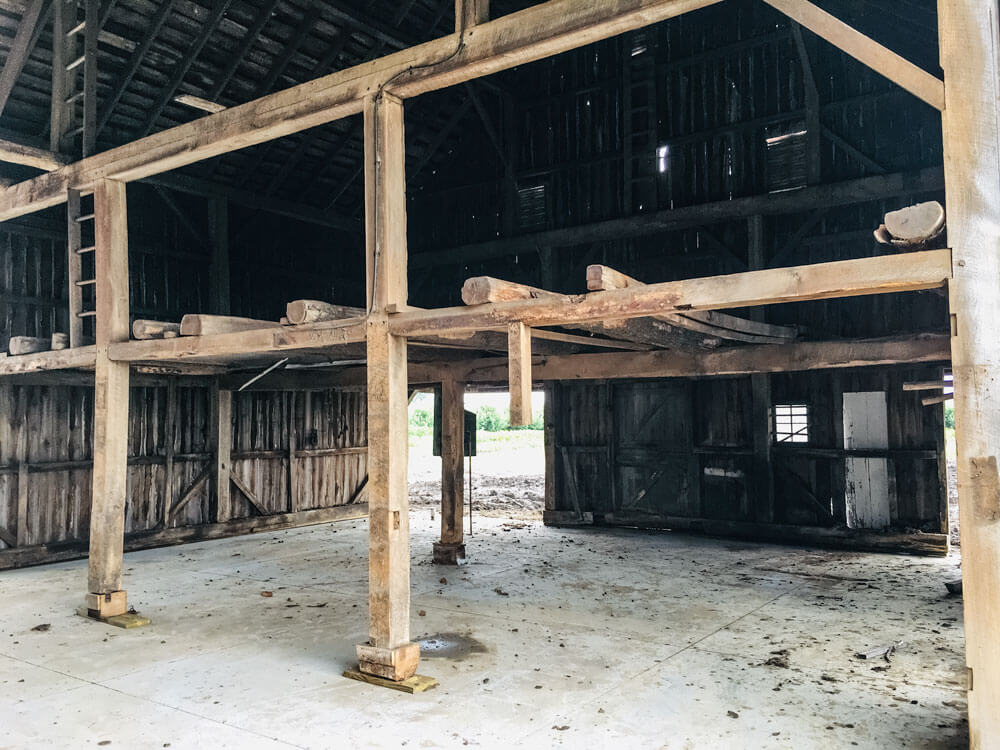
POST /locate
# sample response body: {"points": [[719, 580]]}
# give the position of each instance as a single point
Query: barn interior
{"points": [[237, 236]]}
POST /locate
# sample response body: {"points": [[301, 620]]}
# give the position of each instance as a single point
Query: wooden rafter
{"points": [[537, 32], [896, 68], [20, 48]]}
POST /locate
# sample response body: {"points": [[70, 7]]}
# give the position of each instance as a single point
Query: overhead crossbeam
{"points": [[882, 60]]}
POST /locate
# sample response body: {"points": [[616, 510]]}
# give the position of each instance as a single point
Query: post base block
{"points": [[416, 684], [102, 606], [396, 664], [449, 554]]}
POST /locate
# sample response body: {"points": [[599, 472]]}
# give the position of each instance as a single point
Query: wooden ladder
{"points": [[81, 269], [640, 123], [73, 127]]}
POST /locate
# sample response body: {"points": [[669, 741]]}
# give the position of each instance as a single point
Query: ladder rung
{"points": [[85, 250], [76, 63], [77, 29], [75, 97], [86, 282], [83, 217], [74, 131], [87, 314]]}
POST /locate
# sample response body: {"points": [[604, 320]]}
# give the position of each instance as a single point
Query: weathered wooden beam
{"points": [[897, 69], [469, 13], [532, 34], [208, 325], [388, 653], [743, 360], [222, 446], [313, 311], [519, 367], [969, 40], [155, 329], [711, 322], [935, 385], [451, 548], [879, 275], [28, 345], [111, 403], [30, 156]]}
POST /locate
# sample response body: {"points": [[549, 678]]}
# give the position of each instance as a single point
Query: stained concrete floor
{"points": [[576, 638]]}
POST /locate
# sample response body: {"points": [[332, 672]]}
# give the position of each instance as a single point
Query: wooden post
{"points": [[469, 13], [222, 442], [969, 41], [763, 471], [388, 653], [451, 549], [519, 364], [111, 408], [218, 230]]}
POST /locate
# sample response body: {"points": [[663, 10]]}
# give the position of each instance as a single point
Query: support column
{"points": [[760, 385], [469, 13], [451, 549], [106, 597], [222, 443], [969, 42], [388, 653]]}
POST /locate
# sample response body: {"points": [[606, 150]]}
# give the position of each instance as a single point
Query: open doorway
{"points": [[507, 469]]}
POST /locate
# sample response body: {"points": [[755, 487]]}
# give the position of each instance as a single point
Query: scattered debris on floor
{"points": [[883, 652], [44, 627]]}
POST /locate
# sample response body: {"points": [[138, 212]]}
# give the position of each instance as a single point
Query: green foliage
{"points": [[421, 422], [490, 420], [949, 417]]}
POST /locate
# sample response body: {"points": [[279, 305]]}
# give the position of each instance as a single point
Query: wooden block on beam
{"points": [[28, 345], [155, 329], [480, 290], [313, 311], [60, 341], [519, 364], [206, 325], [416, 684]]}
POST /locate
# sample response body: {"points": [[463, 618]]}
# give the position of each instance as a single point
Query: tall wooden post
{"points": [[451, 549], [969, 43], [389, 652], [760, 388], [469, 13], [111, 393]]}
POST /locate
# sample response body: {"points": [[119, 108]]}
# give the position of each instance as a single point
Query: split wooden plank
{"points": [[603, 278], [155, 329], [208, 325], [519, 365], [451, 549], [929, 269], [897, 69], [313, 311], [516, 39], [928, 385]]}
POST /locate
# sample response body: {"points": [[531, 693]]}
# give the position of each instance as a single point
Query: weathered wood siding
{"points": [[670, 449]]}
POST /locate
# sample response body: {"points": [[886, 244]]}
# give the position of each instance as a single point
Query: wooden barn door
{"points": [[866, 428]]}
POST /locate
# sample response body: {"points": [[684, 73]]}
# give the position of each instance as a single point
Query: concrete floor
{"points": [[547, 637]]}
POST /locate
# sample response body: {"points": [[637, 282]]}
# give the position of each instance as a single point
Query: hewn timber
{"points": [[515, 39], [111, 403], [451, 547], [314, 311], [145, 330], [897, 69], [969, 41], [30, 156], [519, 378], [208, 325], [19, 49], [848, 278], [713, 323]]}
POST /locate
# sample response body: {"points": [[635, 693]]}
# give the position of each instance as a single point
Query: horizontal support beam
{"points": [[743, 360], [879, 187], [897, 69], [541, 31], [847, 278], [30, 156], [730, 362]]}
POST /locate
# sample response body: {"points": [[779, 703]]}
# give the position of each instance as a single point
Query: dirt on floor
{"points": [[506, 483]]}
